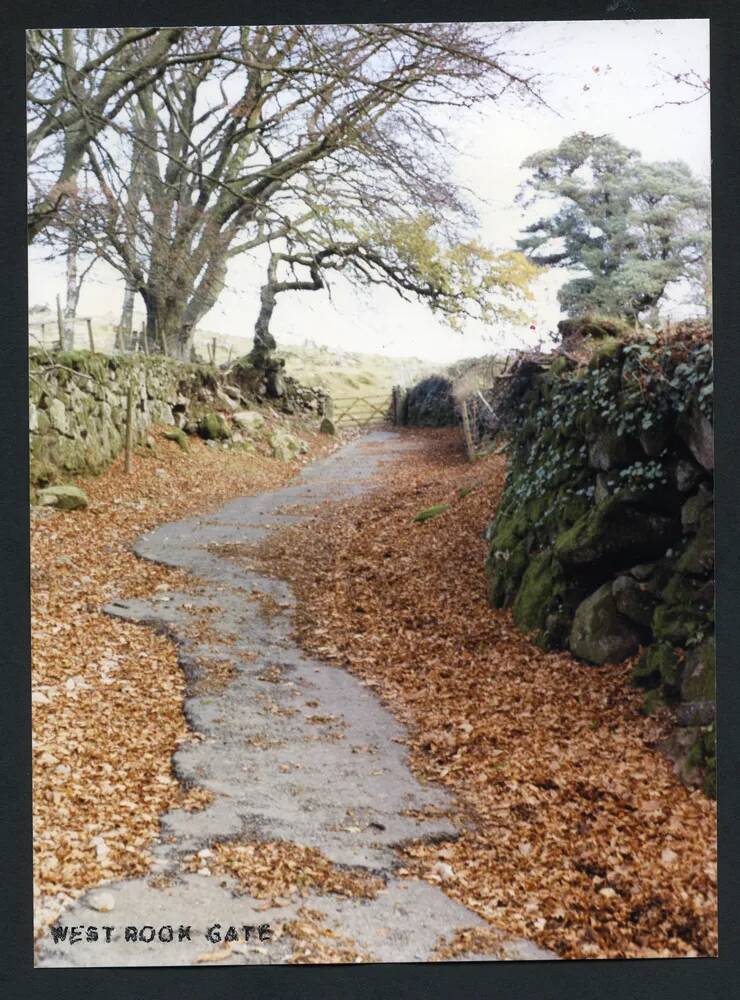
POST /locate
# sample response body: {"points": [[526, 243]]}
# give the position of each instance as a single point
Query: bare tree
{"points": [[464, 279], [73, 294], [238, 149], [79, 82], [131, 214], [76, 270]]}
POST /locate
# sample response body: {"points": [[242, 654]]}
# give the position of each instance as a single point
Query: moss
{"points": [[693, 508], [507, 531], [213, 427], [595, 326], [505, 571], [656, 660], [697, 558], [432, 512], [569, 510], [608, 351], [677, 624], [699, 680], [540, 595], [178, 435], [614, 532]]}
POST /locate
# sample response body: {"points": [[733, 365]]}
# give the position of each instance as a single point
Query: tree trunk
{"points": [[264, 342], [73, 295], [131, 218], [166, 329], [127, 318]]}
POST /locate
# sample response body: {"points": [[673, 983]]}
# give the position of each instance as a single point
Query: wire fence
{"points": [[94, 335]]}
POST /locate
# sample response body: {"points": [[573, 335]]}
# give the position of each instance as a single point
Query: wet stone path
{"points": [[248, 737]]}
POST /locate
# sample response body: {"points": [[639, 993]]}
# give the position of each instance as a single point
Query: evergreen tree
{"points": [[633, 228]]}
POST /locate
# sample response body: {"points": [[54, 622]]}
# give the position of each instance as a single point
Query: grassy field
{"points": [[350, 373], [345, 375]]}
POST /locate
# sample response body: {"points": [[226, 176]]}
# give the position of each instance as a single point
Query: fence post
{"points": [[470, 450], [90, 335], [60, 324], [129, 421], [213, 351]]}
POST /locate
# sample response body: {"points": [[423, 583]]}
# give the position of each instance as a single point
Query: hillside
{"points": [[340, 373]]}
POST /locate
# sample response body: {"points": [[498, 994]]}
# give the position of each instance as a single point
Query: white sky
{"points": [[635, 60]]}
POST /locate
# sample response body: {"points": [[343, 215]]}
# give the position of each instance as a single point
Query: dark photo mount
{"points": [[653, 978]]}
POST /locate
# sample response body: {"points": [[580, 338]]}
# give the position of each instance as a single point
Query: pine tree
{"points": [[633, 228]]}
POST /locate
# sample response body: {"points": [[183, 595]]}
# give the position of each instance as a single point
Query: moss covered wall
{"points": [[603, 543], [77, 404]]}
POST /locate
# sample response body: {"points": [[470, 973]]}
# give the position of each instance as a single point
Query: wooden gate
{"points": [[361, 411]]}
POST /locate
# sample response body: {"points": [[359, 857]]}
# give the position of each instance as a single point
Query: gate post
{"points": [[396, 405], [467, 436]]}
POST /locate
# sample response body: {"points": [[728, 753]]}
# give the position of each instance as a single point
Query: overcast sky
{"points": [[597, 76]]}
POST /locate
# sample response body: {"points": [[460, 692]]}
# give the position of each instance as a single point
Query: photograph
{"points": [[371, 454]]}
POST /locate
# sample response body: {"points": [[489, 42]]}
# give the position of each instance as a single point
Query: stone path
{"points": [[351, 804]]}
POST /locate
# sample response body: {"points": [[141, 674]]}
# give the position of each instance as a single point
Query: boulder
{"points": [[699, 676], [615, 533], [225, 401], [680, 747], [57, 413], [696, 713], [249, 421], [611, 450], [693, 508], [687, 475], [697, 558], [696, 430], [599, 633], [633, 600], [655, 438], [643, 571], [327, 426], [538, 606], [679, 622], [63, 497], [505, 569], [284, 446], [658, 662], [178, 435], [213, 427]]}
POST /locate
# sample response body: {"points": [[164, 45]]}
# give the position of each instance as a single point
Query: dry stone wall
{"points": [[603, 542], [78, 400]]}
